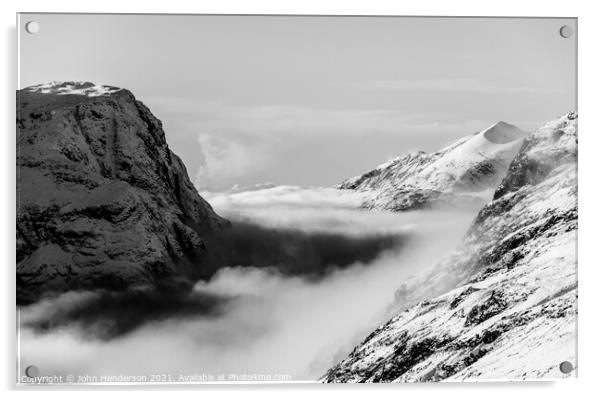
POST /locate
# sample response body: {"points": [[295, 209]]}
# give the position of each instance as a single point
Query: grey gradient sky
{"points": [[311, 100]]}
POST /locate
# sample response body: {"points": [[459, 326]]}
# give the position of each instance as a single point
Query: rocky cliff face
{"points": [[101, 199], [458, 175], [503, 305]]}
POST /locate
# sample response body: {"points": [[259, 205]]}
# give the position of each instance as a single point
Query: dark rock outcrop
{"points": [[102, 202]]}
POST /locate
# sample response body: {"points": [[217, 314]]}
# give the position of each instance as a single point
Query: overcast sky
{"points": [[311, 100]]}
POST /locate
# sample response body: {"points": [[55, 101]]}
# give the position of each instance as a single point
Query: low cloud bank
{"points": [[283, 309]]}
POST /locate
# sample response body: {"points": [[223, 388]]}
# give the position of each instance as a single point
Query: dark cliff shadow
{"points": [[106, 314], [294, 252]]}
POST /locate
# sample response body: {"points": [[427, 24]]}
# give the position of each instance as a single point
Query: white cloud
{"points": [[227, 159]]}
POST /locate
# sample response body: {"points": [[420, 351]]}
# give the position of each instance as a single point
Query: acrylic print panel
{"points": [[295, 198]]}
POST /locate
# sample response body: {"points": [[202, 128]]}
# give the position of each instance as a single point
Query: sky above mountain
{"points": [[311, 100]]}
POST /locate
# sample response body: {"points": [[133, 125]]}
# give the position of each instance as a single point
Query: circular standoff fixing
{"points": [[566, 367], [566, 31], [32, 371], [32, 27]]}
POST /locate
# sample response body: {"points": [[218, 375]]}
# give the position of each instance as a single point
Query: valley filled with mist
{"points": [[314, 292]]}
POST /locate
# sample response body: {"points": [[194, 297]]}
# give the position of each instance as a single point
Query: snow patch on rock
{"points": [[86, 89]]}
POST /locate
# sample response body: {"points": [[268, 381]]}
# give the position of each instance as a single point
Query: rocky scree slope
{"points": [[102, 202], [503, 304], [458, 175]]}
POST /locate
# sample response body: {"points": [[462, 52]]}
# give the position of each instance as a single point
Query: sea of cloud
{"points": [[246, 319]]}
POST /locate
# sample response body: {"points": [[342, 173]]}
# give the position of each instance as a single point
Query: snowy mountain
{"points": [[460, 174], [504, 303]]}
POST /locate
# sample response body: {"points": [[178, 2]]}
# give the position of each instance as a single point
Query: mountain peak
{"points": [[87, 89], [503, 132], [463, 172]]}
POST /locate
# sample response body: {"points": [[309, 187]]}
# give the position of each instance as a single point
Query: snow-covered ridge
{"points": [[87, 89], [503, 133], [460, 172], [496, 144], [503, 305]]}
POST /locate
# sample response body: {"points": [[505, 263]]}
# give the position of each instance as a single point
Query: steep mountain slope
{"points": [[503, 305], [101, 199], [457, 174]]}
